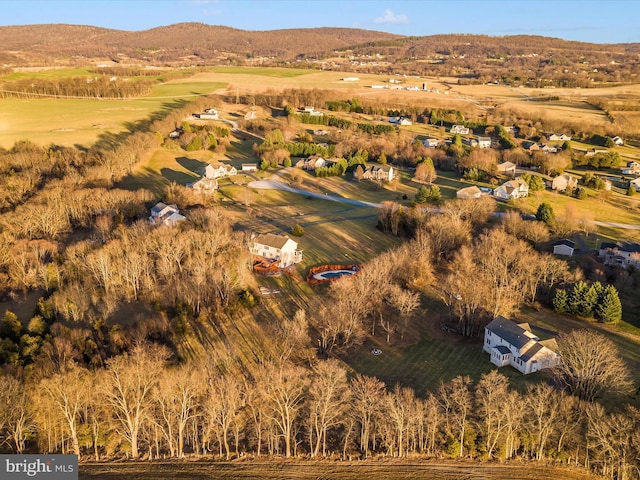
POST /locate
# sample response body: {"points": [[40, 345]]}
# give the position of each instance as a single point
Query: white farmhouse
{"points": [[510, 343], [277, 247]]}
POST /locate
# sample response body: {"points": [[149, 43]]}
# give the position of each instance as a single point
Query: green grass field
{"points": [[80, 122]]}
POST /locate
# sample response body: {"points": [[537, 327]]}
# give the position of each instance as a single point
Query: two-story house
{"points": [[510, 343]]}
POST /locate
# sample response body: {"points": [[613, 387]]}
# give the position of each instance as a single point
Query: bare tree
{"points": [[328, 402], [128, 390], [457, 403], [490, 394], [591, 366], [67, 391], [285, 393], [367, 396]]}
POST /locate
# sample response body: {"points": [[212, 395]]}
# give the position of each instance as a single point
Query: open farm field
{"points": [[81, 121], [400, 470]]}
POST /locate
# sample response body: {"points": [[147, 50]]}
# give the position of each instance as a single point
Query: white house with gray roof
{"points": [[277, 247], [510, 343]]}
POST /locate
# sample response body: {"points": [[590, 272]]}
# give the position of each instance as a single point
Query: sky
{"points": [[597, 21]]}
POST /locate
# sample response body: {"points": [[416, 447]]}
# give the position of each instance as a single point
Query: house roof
{"points": [[509, 331], [622, 246], [272, 240], [472, 190], [158, 207], [506, 165], [531, 351], [565, 241], [502, 349], [551, 344]]}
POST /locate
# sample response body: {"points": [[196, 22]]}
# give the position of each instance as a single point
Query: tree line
{"points": [[143, 405]]}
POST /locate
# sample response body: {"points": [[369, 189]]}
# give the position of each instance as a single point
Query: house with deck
{"points": [[620, 254], [279, 248], [511, 343]]}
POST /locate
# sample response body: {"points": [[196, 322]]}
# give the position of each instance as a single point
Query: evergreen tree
{"points": [[545, 213], [609, 308], [560, 301], [588, 303], [577, 297]]}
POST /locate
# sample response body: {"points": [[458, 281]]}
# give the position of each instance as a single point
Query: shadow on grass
{"points": [[147, 179], [180, 178], [112, 140], [193, 165]]}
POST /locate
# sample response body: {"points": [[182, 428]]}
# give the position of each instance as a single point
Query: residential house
{"points": [[461, 129], [530, 146], [562, 182], [470, 142], [483, 142], [277, 247], [311, 163], [507, 168], [595, 151], [635, 184], [431, 142], [383, 173], [513, 189], [311, 111], [617, 141], [548, 148], [204, 185], [469, 193], [620, 254], [400, 120], [176, 133], [220, 171], [250, 115], [321, 133], [510, 343], [249, 167], [631, 168], [208, 114], [162, 214], [555, 137], [564, 247], [512, 130]]}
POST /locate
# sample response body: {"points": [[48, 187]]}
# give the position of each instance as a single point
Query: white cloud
{"points": [[391, 17]]}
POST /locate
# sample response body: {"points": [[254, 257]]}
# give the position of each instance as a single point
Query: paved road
{"points": [[278, 185], [626, 226]]}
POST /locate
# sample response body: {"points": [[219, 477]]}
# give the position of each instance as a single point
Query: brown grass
{"points": [[296, 469]]}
